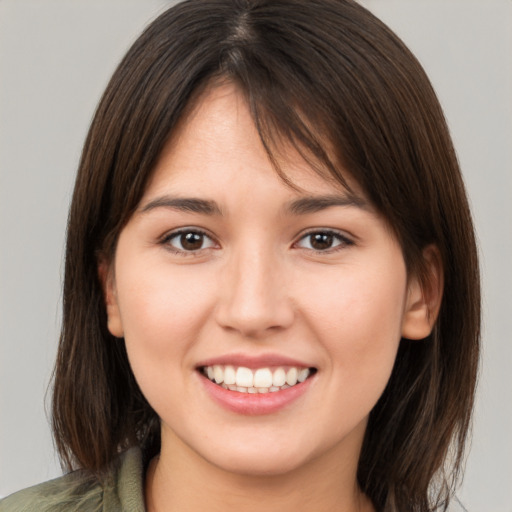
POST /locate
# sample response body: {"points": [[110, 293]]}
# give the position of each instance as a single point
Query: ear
{"points": [[424, 297], [108, 283]]}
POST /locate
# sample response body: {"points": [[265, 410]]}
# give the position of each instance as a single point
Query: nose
{"points": [[254, 296]]}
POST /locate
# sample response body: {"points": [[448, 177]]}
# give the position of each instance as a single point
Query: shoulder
{"points": [[75, 491], [80, 491]]}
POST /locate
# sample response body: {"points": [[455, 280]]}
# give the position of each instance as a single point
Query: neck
{"points": [[185, 482]]}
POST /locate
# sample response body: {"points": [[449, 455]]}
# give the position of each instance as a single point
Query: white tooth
{"points": [[273, 389], [218, 373], [224, 386], [244, 377], [262, 390], [229, 375], [263, 378], [252, 390], [291, 377], [279, 377], [209, 372], [285, 386], [232, 388], [241, 389], [303, 375]]}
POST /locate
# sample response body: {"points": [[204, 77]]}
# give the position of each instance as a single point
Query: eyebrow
{"points": [[184, 204], [305, 205], [301, 206]]}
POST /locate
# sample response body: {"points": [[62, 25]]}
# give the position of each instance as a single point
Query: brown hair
{"points": [[306, 67]]}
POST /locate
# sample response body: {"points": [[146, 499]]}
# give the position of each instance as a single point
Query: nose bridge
{"points": [[254, 296]]}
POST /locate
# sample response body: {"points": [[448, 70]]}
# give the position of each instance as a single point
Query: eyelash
{"points": [[343, 240], [166, 241]]}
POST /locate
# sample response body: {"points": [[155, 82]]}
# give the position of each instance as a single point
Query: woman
{"points": [[271, 295]]}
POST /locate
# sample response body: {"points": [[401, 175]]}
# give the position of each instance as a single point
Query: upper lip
{"points": [[253, 361]]}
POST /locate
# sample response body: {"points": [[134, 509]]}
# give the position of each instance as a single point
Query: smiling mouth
{"points": [[260, 380]]}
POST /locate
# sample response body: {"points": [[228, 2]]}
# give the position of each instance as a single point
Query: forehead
{"points": [[217, 144]]}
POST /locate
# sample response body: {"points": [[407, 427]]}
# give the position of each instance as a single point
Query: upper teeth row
{"points": [[260, 378]]}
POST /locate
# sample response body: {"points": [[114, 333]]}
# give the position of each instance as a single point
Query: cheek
{"points": [[162, 309], [357, 315], [163, 314]]}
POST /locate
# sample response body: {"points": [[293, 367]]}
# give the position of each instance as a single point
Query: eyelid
{"points": [[345, 239], [342, 237], [169, 235]]}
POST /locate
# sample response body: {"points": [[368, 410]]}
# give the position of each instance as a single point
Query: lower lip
{"points": [[252, 404]]}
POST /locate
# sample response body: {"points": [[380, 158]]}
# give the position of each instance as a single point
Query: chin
{"points": [[262, 456], [259, 464]]}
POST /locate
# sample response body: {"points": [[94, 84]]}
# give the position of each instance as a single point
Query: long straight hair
{"points": [[333, 80]]}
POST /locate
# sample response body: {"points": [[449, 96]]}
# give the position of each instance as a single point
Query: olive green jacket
{"points": [[120, 491]]}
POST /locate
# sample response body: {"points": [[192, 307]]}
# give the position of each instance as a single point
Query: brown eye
{"points": [[321, 241], [189, 241], [324, 241]]}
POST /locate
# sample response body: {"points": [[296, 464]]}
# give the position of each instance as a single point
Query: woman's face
{"points": [[225, 270]]}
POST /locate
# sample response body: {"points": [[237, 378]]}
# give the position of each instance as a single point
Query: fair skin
{"points": [[254, 273]]}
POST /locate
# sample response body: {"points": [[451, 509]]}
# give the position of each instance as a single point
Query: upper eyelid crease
{"points": [[332, 232], [180, 231], [340, 236], [165, 240]]}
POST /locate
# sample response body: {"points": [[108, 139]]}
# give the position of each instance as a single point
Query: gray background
{"points": [[55, 59]]}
